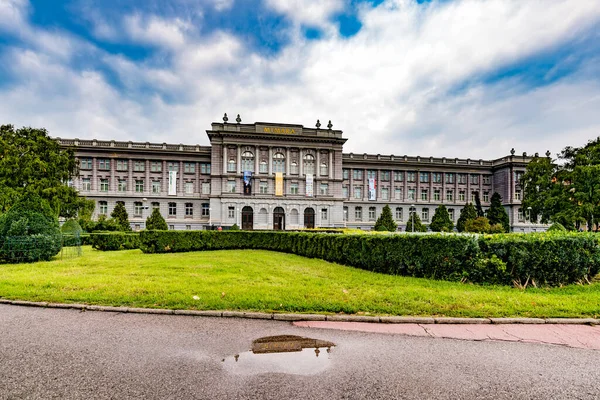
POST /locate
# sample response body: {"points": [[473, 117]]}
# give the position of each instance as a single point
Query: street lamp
{"points": [[529, 214], [412, 207], [144, 207]]}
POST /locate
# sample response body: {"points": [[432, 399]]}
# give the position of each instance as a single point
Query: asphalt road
{"points": [[67, 354]]}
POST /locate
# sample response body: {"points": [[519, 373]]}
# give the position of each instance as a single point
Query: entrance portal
{"points": [[247, 218], [278, 219], [309, 218]]}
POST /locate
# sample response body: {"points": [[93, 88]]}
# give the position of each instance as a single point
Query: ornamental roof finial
{"points": [[318, 125], [512, 151], [225, 119], [238, 119], [330, 125]]}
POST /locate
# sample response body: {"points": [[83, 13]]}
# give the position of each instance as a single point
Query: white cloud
{"points": [[157, 31], [307, 12]]}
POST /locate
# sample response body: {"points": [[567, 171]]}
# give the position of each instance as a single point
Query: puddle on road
{"points": [[282, 354]]}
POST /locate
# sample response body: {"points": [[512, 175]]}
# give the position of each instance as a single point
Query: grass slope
{"points": [[256, 280]]}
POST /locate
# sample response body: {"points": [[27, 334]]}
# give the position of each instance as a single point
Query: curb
{"points": [[310, 317]]}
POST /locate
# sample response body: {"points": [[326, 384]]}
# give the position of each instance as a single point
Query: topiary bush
{"points": [[557, 227], [156, 221], [29, 232], [112, 241]]}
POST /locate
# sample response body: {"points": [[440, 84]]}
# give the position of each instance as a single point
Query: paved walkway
{"points": [[576, 336]]}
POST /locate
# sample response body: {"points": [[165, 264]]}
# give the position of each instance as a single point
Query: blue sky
{"points": [[462, 78]]}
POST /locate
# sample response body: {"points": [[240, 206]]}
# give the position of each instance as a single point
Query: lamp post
{"points": [[412, 207], [144, 207], [210, 218]]}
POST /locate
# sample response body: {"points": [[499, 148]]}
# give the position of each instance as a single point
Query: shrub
{"points": [[120, 217], [413, 219], [156, 221], [71, 227], [468, 212], [111, 241], [557, 227], [386, 222], [478, 225], [29, 232], [441, 221], [496, 214], [234, 227]]}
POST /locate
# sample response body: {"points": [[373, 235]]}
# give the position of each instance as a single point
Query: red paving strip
{"points": [[577, 336]]}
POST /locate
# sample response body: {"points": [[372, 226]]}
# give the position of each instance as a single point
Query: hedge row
{"points": [[115, 241], [502, 259]]}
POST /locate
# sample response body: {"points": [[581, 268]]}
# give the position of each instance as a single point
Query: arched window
{"points": [[294, 168], [263, 167], [324, 169], [247, 161], [278, 162], [309, 164], [231, 164]]}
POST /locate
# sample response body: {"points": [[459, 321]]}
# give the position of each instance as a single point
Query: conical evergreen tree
{"points": [[468, 212], [156, 221], [497, 214], [478, 207], [441, 220], [120, 217], [413, 219], [386, 222]]}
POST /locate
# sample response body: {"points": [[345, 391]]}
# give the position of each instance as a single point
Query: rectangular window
{"points": [[517, 195], [205, 187], [358, 213], [173, 166], [104, 185], [205, 169], [487, 179], [474, 179], [172, 209], [385, 176], [171, 227], [324, 189], [188, 227], [294, 188], [155, 204], [425, 214], [346, 173], [231, 212], [411, 176], [424, 177], [189, 168], [450, 195], [371, 174], [156, 187], [122, 185], [323, 214], [189, 188], [486, 197], [473, 197], [205, 209], [385, 194], [263, 187], [518, 176], [86, 184], [231, 165], [461, 195], [231, 186], [294, 168], [411, 194], [139, 165], [462, 179], [437, 195], [357, 174], [398, 213], [451, 213], [263, 167], [399, 176], [85, 163], [121, 165], [324, 169], [189, 209], [398, 193], [358, 192], [156, 166], [139, 186], [436, 177], [103, 207], [449, 177], [424, 195], [345, 192], [372, 213], [104, 164], [345, 213], [137, 208], [520, 215]]}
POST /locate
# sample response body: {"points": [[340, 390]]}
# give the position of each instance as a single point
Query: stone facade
{"points": [[259, 176]]}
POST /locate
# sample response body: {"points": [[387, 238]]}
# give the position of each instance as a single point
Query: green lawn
{"points": [[256, 280]]}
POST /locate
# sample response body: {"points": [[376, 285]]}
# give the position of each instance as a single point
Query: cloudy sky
{"points": [[464, 78]]}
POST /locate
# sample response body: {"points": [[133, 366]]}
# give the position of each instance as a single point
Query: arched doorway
{"points": [[278, 219], [309, 218], [247, 218]]}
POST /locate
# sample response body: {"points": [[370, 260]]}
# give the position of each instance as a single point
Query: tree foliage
{"points": [[33, 163], [478, 206], [441, 222], [414, 220], [386, 222], [468, 212], [156, 221], [120, 217], [478, 225], [496, 214]]}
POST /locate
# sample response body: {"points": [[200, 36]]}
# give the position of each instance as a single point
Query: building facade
{"points": [[282, 176]]}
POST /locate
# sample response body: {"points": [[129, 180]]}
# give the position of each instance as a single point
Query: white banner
{"points": [[372, 189], [309, 185], [172, 183]]}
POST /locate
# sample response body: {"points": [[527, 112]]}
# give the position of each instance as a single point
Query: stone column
{"points": [[270, 161], [225, 158], [239, 159], [148, 184], [331, 173], [287, 161], [256, 159], [180, 177], [94, 174], [301, 162], [164, 187]]}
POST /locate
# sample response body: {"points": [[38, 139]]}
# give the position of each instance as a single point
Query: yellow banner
{"points": [[278, 183]]}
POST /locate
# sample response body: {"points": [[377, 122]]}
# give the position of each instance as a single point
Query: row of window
{"points": [[399, 214], [140, 165], [411, 194], [278, 165], [424, 177], [138, 209], [155, 185], [263, 187]]}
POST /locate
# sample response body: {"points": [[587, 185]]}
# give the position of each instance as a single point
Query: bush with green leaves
{"points": [[29, 231], [496, 214], [386, 222], [112, 241], [234, 227], [414, 220], [71, 232], [467, 213], [478, 225], [120, 217], [557, 227], [156, 221], [441, 222], [545, 259]]}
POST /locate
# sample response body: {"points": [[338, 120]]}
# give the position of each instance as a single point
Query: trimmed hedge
{"points": [[112, 241], [498, 259]]}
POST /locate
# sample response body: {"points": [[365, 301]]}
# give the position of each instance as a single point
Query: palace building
{"points": [[285, 177]]}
